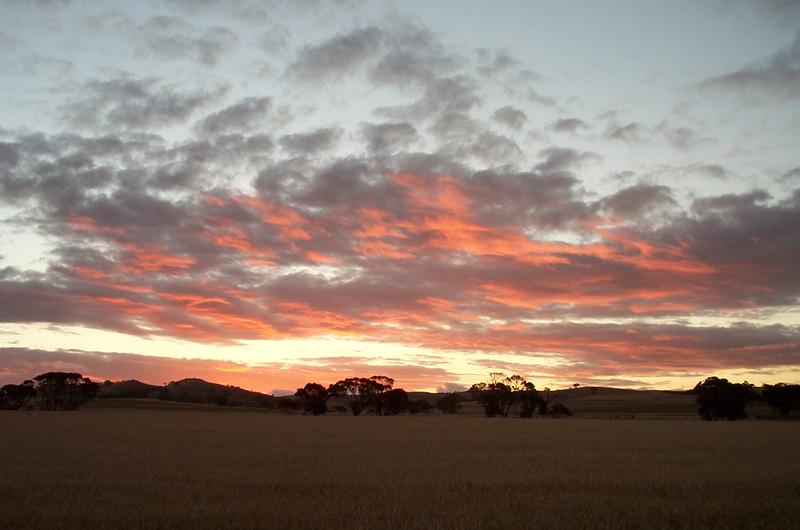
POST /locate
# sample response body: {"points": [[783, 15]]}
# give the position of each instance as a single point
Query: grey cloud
{"points": [[310, 143], [275, 39], [449, 94], [172, 38], [510, 116], [491, 62], [563, 159], [494, 148], [456, 95], [568, 125], [712, 170], [679, 137], [631, 133], [256, 144], [536, 97], [239, 117], [9, 155], [336, 55], [638, 201], [785, 12], [414, 55], [544, 200], [456, 127], [388, 137], [777, 75], [791, 175], [128, 103]]}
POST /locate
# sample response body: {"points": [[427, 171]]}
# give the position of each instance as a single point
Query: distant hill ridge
{"points": [[189, 390], [582, 400]]}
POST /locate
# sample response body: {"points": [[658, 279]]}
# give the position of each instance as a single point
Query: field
{"points": [[224, 468]]}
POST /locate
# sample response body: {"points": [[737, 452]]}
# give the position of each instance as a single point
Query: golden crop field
{"points": [[129, 468]]}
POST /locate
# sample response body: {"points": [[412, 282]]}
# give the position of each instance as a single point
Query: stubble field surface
{"points": [[105, 468]]}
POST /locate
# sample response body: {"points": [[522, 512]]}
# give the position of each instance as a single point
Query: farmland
{"points": [[221, 467]]}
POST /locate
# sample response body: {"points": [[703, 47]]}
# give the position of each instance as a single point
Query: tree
{"points": [[361, 392], [392, 402], [382, 399], [14, 397], [782, 397], [64, 391], [559, 409], [529, 400], [501, 392], [419, 406], [314, 398], [545, 398], [720, 399], [449, 403]]}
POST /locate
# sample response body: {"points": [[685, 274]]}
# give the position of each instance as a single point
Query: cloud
{"points": [[396, 250], [510, 116], [172, 38], [491, 62], [130, 103], [632, 133], [171, 212], [310, 143], [568, 125], [559, 158], [388, 137], [335, 56], [413, 56], [777, 75], [8, 154], [536, 97], [239, 117], [639, 200]]}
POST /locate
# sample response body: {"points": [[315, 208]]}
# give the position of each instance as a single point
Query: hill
{"points": [[200, 391], [131, 389]]}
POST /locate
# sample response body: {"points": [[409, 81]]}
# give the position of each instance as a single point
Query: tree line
{"points": [[720, 399], [377, 395], [716, 398], [49, 391]]}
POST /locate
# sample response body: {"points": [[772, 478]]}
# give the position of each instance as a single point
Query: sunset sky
{"points": [[270, 193]]}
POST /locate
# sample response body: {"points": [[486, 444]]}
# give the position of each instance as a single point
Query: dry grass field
{"points": [[139, 468]]}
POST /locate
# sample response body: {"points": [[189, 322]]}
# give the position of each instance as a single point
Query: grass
{"points": [[166, 468]]}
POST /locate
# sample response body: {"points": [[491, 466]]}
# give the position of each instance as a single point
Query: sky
{"points": [[269, 193]]}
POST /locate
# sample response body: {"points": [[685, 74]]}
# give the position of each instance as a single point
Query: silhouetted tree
{"points": [[545, 398], [314, 398], [361, 392], [559, 409], [449, 403], [501, 392], [392, 402], [64, 391], [720, 399], [529, 400], [782, 397], [14, 397], [419, 406], [289, 404]]}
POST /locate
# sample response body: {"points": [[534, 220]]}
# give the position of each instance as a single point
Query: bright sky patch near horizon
{"points": [[269, 193]]}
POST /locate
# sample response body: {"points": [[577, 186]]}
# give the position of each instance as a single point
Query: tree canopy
{"points": [[782, 397], [362, 392], [719, 399]]}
